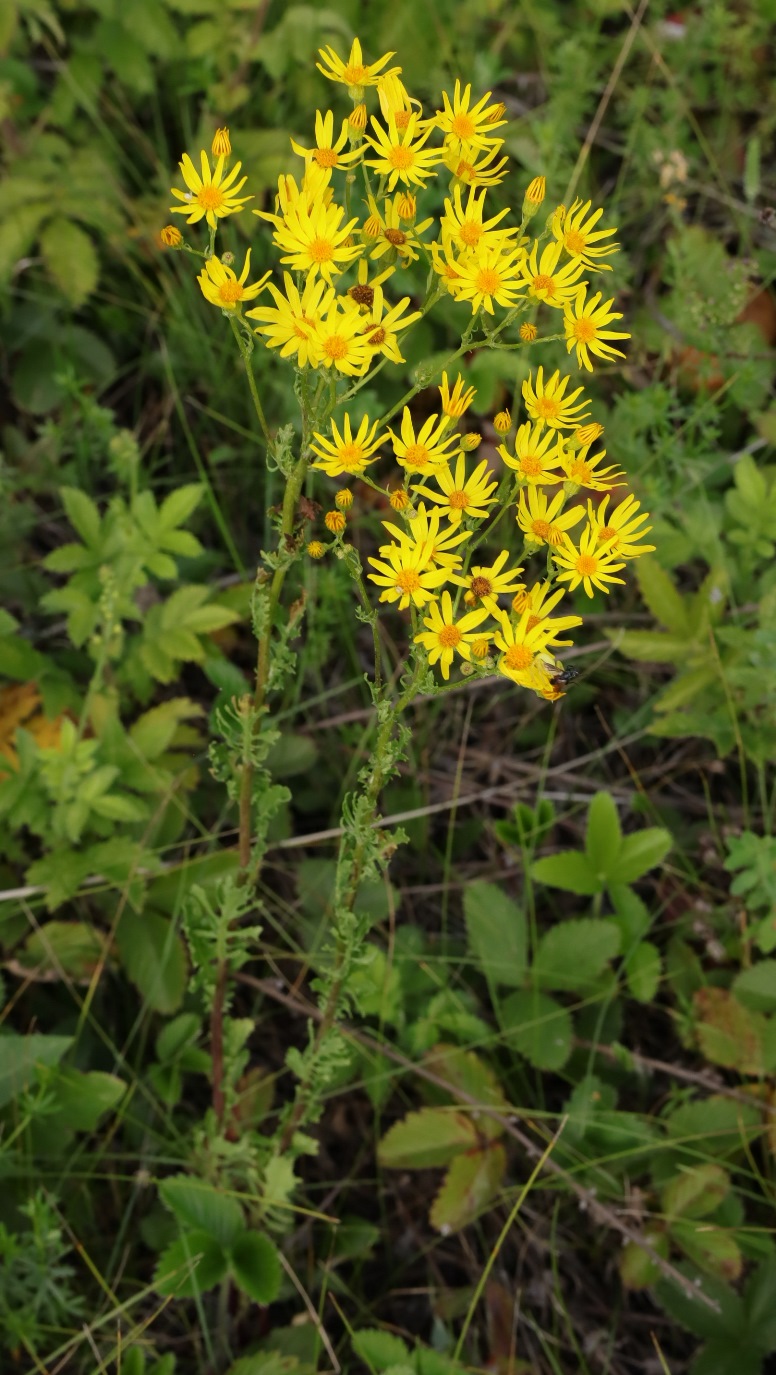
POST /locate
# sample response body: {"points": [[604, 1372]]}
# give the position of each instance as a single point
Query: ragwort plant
{"points": [[358, 205]]}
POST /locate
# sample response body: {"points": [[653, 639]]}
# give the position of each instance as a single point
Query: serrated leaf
{"points": [[710, 1248], [471, 1183], [571, 955], [755, 988], [696, 1192], [497, 934], [727, 1032], [639, 853], [603, 835], [538, 1028], [256, 1266], [432, 1136], [82, 513], [198, 1205], [642, 972], [569, 870], [179, 505], [190, 1266], [83, 1099], [154, 957], [378, 1349], [71, 258], [467, 1072]]}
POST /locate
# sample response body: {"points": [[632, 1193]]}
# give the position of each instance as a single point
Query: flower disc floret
{"points": [[580, 238], [467, 124], [345, 452], [543, 521], [328, 154], [355, 72], [446, 636], [484, 583], [426, 450], [291, 324], [585, 323], [538, 453], [621, 529], [465, 227], [487, 276], [315, 240], [221, 287], [590, 565], [461, 496], [210, 195], [401, 155], [546, 401]]}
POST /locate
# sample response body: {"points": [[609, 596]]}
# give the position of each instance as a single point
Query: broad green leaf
{"points": [[154, 957], [760, 1308], [256, 1266], [379, 1350], [649, 646], [756, 987], [725, 1319], [497, 933], [637, 1268], [538, 1028], [661, 596], [639, 853], [603, 835], [728, 1354], [468, 1073], [71, 258], [190, 1266], [82, 514], [70, 948], [642, 972], [432, 1136], [728, 1034], [719, 1125], [292, 755], [153, 732], [471, 1183], [695, 1192], [20, 1057], [569, 870], [181, 1032], [573, 953], [120, 807], [82, 1099], [179, 505], [199, 1205], [710, 1248]]}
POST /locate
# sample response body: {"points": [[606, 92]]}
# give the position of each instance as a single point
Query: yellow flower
{"points": [[542, 522], [171, 236], [502, 422], [424, 533], [528, 332], [335, 522], [524, 656], [583, 471], [485, 582], [546, 281], [531, 460], [344, 453], [459, 495], [328, 154], [455, 402], [381, 326], [211, 195], [355, 72], [392, 232], [363, 290], [578, 238], [474, 171], [591, 566], [400, 155], [314, 190], [444, 264], [447, 637], [395, 99], [585, 323], [465, 226], [406, 575], [341, 343], [491, 275], [539, 601], [426, 451], [315, 549], [468, 124], [622, 529], [547, 401], [221, 146], [315, 240], [291, 324], [221, 287]]}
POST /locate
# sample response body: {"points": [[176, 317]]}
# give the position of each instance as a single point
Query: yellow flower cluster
{"points": [[343, 222]]}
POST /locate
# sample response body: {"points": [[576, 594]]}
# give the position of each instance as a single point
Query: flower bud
{"points": [[315, 549], [521, 600], [406, 206], [502, 423], [471, 441], [398, 500], [357, 120], [344, 499], [335, 522], [171, 236], [528, 332], [497, 112], [372, 228], [534, 196], [585, 434], [227, 259], [221, 146], [479, 648]]}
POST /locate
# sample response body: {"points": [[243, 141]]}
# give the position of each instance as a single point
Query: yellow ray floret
{"points": [[401, 155], [469, 124], [211, 195], [585, 323], [354, 72], [461, 496], [546, 401], [577, 236], [472, 170], [327, 154], [291, 324], [380, 329], [345, 452], [447, 637], [341, 343], [621, 530], [465, 227], [524, 654], [457, 401], [546, 281], [538, 452], [407, 576], [539, 601], [591, 564], [484, 583], [544, 522], [396, 100], [221, 287], [315, 240], [391, 232], [424, 529], [489, 275], [313, 190], [428, 449], [582, 469]]}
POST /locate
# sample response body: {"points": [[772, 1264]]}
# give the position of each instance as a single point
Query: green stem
{"points": [[249, 373]]}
